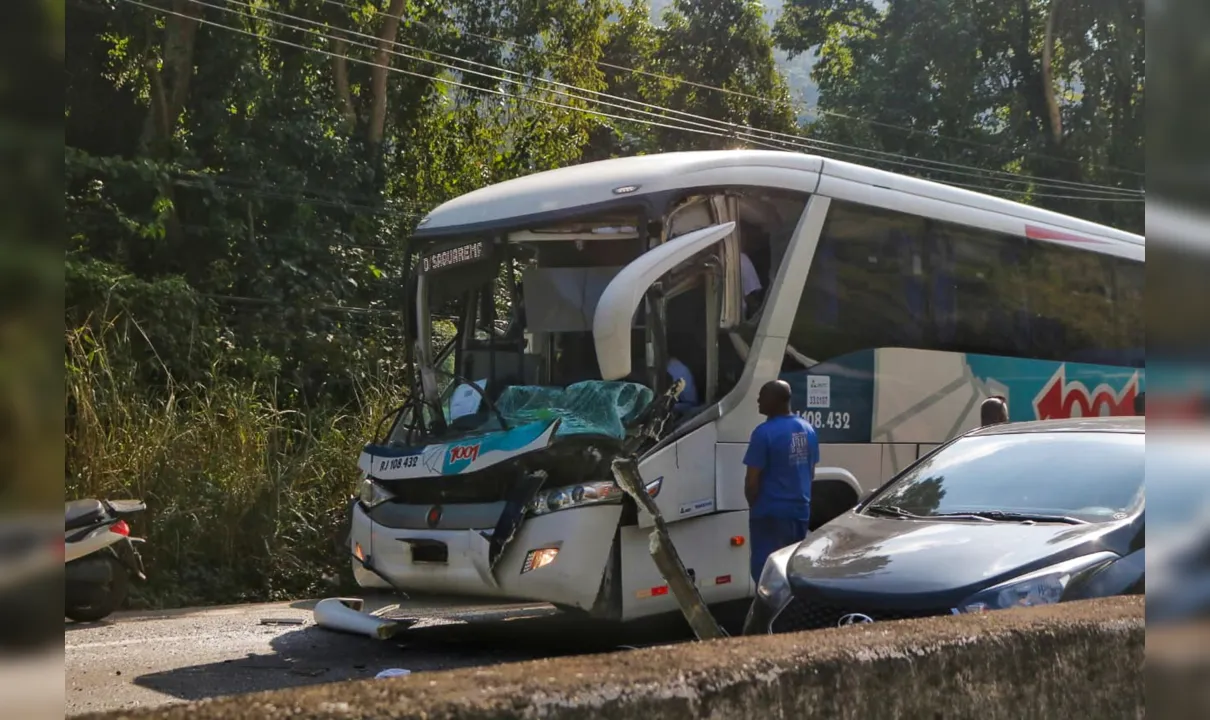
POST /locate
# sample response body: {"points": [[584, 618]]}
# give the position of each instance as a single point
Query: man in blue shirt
{"points": [[782, 454]]}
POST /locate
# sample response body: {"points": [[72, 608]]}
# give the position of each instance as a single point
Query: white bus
{"points": [[891, 304]]}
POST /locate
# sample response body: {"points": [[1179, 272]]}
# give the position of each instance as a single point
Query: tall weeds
{"points": [[246, 499]]}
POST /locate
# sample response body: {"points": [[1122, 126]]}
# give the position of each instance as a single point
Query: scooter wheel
{"points": [[100, 600]]}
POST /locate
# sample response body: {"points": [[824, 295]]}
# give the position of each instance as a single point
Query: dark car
{"points": [[1005, 516]]}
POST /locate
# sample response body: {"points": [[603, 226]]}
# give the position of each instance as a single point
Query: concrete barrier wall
{"points": [[1072, 661]]}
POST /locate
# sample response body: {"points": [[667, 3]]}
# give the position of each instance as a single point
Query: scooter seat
{"points": [[80, 513], [126, 507]]}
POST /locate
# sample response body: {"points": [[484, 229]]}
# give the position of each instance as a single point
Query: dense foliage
{"points": [[242, 176], [1048, 89]]}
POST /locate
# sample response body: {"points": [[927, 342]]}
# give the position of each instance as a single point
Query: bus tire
{"points": [[829, 500]]}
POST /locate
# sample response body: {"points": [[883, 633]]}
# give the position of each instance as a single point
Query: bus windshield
{"points": [[507, 325], [505, 320]]}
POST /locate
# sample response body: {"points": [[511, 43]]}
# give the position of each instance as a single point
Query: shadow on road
{"points": [[72, 626], [312, 655]]}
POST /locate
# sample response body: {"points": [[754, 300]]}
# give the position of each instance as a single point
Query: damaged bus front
{"points": [[550, 316], [494, 480]]}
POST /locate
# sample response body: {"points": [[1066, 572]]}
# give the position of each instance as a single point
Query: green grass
{"points": [[246, 499]]}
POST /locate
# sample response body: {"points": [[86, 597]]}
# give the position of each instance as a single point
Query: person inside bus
{"points": [[781, 458], [750, 285], [993, 411], [678, 370], [685, 335]]}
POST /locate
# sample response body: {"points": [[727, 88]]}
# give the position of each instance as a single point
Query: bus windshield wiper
{"points": [[892, 510], [1005, 516]]}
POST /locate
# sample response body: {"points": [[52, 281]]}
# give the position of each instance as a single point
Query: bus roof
{"points": [[514, 203]]}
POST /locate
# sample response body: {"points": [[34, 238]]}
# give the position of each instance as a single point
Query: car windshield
{"points": [[1090, 476]]}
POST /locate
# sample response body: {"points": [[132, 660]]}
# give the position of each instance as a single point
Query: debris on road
{"points": [[345, 615], [282, 621], [392, 672], [663, 552]]}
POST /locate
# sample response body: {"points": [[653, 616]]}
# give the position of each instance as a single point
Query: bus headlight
{"points": [[592, 493], [372, 494]]}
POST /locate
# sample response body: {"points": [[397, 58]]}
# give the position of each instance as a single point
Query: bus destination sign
{"points": [[451, 257]]}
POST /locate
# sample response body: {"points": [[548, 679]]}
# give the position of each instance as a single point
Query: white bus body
{"points": [[892, 304]]}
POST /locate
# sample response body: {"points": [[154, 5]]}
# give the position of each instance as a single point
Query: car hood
{"points": [[929, 561]]}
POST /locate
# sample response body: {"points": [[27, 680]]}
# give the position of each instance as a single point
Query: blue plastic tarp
{"points": [[592, 407]]}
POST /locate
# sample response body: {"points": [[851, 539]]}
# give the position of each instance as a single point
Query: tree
{"points": [[722, 44], [706, 74], [239, 196], [629, 60], [274, 159], [1047, 89]]}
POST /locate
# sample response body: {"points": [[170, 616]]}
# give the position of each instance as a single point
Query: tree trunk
{"points": [[169, 79], [378, 73], [340, 73], [1048, 82], [1038, 94], [168, 83]]}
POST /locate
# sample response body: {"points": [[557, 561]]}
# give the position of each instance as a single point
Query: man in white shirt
{"points": [[749, 282]]}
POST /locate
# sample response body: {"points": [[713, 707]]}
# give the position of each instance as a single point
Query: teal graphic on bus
{"points": [[907, 395]]}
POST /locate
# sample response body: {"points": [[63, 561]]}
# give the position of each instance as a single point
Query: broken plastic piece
{"points": [[345, 615], [392, 672], [663, 552]]}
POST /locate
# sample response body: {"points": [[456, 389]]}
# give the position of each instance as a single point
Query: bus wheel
{"points": [[829, 500]]}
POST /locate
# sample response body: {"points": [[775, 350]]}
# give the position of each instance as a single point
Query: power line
{"points": [[716, 128], [739, 93], [412, 73], [1113, 194], [1015, 177], [543, 102], [792, 139]]}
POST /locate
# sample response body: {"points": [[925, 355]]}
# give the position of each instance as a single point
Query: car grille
{"points": [[810, 615]]}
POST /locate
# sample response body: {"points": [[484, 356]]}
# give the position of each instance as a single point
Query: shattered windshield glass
{"points": [[508, 324], [593, 407]]}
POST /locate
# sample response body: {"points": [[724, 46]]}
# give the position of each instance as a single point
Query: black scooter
{"points": [[100, 557]]}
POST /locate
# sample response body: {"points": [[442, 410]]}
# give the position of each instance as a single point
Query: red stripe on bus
{"points": [[1033, 232]]}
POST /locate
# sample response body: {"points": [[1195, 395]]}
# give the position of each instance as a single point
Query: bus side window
{"points": [[1073, 313], [978, 293], [883, 279], [1129, 282], [866, 285]]}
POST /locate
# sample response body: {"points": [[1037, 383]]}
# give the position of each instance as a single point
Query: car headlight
{"points": [[591, 493], [774, 586], [372, 494], [1041, 587]]}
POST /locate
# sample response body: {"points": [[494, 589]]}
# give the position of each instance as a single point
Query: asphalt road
{"points": [[147, 659]]}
